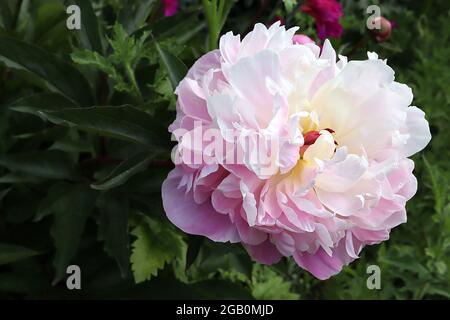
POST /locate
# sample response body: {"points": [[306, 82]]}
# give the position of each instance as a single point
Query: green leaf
{"points": [[12, 253], [124, 122], [124, 171], [437, 291], [70, 215], [51, 164], [194, 245], [219, 256], [6, 14], [148, 181], [134, 14], [49, 204], [177, 27], [59, 75], [176, 69], [3, 193], [15, 209], [94, 59], [41, 101], [89, 35], [127, 50], [267, 285], [19, 178], [156, 244], [113, 228]]}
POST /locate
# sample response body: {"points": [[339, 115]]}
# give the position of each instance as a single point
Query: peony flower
{"points": [[327, 14], [290, 152], [170, 7], [302, 39]]}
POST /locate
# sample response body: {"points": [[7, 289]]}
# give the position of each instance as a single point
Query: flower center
{"points": [[310, 137]]}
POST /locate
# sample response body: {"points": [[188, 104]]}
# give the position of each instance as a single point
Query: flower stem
{"points": [[216, 14], [135, 87]]}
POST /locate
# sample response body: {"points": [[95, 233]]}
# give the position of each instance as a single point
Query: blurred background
{"points": [[83, 187]]}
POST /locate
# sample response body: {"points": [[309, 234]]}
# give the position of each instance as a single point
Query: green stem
{"points": [[16, 15], [207, 6], [216, 15], [130, 74]]}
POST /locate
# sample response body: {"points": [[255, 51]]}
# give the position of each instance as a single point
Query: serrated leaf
{"points": [[59, 75], [267, 285], [123, 122], [214, 258], [113, 228], [127, 50], [124, 171], [70, 215], [12, 253], [94, 59], [156, 244]]}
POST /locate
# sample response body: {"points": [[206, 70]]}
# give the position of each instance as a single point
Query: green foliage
{"points": [[123, 122], [150, 253], [70, 211], [84, 149], [175, 68], [57, 74], [114, 210], [12, 253], [267, 285], [120, 64]]}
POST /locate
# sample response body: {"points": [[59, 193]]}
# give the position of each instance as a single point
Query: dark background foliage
{"points": [[84, 149]]}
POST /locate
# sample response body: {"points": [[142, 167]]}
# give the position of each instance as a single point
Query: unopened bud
{"points": [[384, 29]]}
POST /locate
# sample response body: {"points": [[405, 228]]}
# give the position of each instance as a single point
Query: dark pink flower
{"points": [[170, 7], [327, 14]]}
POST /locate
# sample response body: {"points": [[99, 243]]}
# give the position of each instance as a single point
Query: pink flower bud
{"points": [[384, 31]]}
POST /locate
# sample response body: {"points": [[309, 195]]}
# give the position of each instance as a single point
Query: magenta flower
{"points": [[170, 7], [327, 14], [284, 149]]}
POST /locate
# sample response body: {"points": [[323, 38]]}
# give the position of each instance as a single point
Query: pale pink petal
{"points": [[193, 218]]}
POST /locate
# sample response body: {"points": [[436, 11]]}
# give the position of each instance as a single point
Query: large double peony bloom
{"points": [[337, 135]]}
